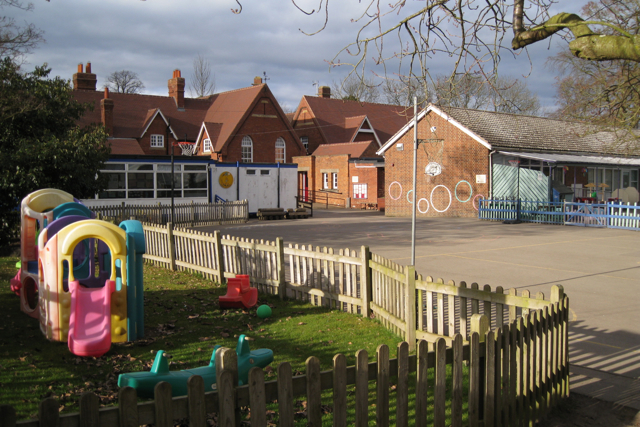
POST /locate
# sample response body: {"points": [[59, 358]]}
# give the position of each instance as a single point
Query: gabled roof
{"points": [[504, 131], [132, 112], [337, 118], [222, 114], [151, 116], [353, 149]]}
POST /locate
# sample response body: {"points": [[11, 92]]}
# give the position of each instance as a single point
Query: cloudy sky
{"points": [[154, 37]]}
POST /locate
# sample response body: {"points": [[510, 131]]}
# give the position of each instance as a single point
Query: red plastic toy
{"points": [[239, 293]]}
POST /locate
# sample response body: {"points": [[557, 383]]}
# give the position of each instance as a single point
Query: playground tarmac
{"points": [[598, 268]]}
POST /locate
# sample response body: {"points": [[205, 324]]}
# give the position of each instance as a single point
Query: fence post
{"points": [[219, 256], [365, 281], [410, 307], [171, 247], [282, 285], [557, 293], [122, 213], [480, 324]]}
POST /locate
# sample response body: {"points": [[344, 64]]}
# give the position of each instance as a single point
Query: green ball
{"points": [[263, 311]]}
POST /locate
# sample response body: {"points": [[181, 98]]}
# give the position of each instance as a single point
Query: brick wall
{"points": [[158, 127], [264, 126], [305, 126], [462, 159]]}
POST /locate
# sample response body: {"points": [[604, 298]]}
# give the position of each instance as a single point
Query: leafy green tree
{"points": [[41, 145]]}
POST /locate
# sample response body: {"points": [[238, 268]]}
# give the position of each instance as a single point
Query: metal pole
{"points": [[172, 176], [415, 172]]}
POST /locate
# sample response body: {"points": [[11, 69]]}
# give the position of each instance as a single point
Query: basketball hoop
{"points": [[187, 147], [514, 163]]}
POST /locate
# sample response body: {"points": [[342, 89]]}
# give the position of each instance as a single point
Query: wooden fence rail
{"points": [[188, 214], [515, 375], [516, 345]]}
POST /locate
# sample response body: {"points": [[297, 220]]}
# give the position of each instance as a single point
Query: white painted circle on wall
{"points": [[431, 198]]}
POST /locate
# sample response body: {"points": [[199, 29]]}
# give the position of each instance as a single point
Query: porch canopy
{"points": [[572, 158]]}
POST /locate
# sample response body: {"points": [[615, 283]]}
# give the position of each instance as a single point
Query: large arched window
{"points": [[281, 150], [247, 150]]}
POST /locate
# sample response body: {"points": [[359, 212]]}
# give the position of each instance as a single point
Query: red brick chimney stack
{"points": [[106, 109], [324, 92], [84, 80], [257, 81], [176, 88]]}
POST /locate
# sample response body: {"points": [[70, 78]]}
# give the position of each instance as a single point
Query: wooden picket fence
{"points": [[516, 375], [516, 345], [186, 214]]}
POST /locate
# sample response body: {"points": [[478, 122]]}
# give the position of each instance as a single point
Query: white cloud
{"points": [[154, 37]]}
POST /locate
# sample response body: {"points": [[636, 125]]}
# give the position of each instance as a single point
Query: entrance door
{"points": [[303, 187]]}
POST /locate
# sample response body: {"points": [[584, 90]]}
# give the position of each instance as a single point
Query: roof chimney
{"points": [[84, 81], [324, 92], [176, 88], [257, 81], [106, 109]]}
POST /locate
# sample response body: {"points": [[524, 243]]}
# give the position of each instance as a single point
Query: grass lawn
{"points": [[181, 317]]}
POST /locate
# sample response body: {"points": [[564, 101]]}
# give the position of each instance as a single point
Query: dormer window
{"points": [[157, 141], [206, 145]]}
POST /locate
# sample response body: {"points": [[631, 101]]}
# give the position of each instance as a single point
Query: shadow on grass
{"points": [[183, 318]]}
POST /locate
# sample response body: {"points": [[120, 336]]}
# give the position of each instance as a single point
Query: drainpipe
{"points": [[237, 180]]}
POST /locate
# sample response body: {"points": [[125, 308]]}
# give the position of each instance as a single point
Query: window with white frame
{"points": [[281, 150], [305, 142], [247, 150], [206, 145], [359, 191], [325, 181], [152, 181], [157, 141], [334, 180]]}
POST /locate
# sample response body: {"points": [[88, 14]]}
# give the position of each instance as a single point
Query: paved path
{"points": [[599, 269]]}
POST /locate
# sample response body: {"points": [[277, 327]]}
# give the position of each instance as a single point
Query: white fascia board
{"points": [[202, 129], [421, 115], [370, 130], [166, 122]]}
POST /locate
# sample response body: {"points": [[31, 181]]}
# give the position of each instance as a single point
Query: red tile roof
{"points": [[125, 146], [229, 110], [353, 149], [336, 117], [131, 113]]}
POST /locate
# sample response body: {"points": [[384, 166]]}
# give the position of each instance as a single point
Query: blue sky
{"points": [[154, 37]]}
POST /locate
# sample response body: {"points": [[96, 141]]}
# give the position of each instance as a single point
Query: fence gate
{"points": [[585, 214]]}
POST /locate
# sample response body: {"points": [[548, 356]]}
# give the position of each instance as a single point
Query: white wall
{"points": [[258, 184]]}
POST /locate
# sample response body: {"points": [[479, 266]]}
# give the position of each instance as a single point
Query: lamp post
{"points": [[415, 172]]}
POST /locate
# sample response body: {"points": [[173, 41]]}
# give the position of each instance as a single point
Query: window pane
{"points": [[141, 194], [164, 180], [195, 167], [195, 180], [264, 172], [140, 167], [195, 193], [113, 167], [140, 180], [116, 181], [167, 193], [167, 168]]}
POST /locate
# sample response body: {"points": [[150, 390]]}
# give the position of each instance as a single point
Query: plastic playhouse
{"points": [[239, 293], [81, 277], [145, 382]]}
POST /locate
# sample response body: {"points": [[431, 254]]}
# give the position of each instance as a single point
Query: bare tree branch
{"points": [[124, 81], [202, 82]]}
